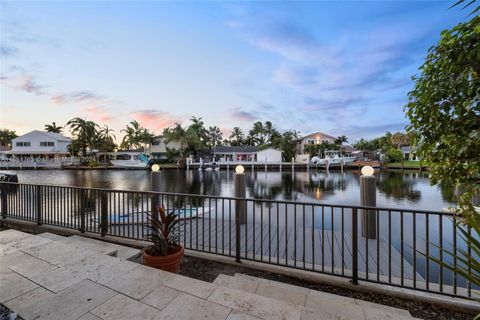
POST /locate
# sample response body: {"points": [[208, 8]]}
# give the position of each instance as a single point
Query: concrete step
{"points": [[315, 304], [100, 246]]}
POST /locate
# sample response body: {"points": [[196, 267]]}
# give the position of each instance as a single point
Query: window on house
{"points": [[310, 141], [23, 144], [156, 143], [46, 144]]}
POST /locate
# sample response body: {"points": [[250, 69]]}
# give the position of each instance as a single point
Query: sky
{"points": [[340, 67]]}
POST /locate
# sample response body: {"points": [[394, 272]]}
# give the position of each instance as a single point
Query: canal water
{"points": [[396, 189]]}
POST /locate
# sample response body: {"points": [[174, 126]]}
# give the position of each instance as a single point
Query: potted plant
{"points": [[165, 253]]}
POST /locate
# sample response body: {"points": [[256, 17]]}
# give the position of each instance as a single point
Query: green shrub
{"points": [[394, 155]]}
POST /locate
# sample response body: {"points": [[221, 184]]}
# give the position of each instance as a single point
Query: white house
{"points": [[247, 153], [40, 144], [409, 153], [269, 155], [314, 138], [158, 150]]}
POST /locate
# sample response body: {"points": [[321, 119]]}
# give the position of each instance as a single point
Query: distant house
{"points": [[248, 153], [314, 138], [409, 153], [39, 144], [158, 150]]}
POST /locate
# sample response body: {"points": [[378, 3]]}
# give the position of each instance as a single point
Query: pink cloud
{"points": [[99, 113], [24, 83], [77, 97], [156, 119]]}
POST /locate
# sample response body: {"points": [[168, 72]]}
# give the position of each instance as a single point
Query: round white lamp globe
{"points": [[239, 169], [368, 171], [155, 168]]}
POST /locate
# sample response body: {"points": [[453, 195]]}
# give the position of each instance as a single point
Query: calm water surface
{"points": [[407, 189]]}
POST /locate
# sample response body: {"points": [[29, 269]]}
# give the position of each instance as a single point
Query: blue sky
{"points": [[340, 67]]}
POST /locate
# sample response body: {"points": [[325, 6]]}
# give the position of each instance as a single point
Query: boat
{"points": [[130, 160], [331, 158], [208, 166]]}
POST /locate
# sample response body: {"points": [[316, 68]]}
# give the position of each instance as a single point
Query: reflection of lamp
{"points": [[239, 169], [367, 171], [155, 168]]}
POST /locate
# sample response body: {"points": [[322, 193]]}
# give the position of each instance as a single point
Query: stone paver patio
{"points": [[52, 277]]}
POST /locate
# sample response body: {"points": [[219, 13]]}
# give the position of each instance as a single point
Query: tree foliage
{"points": [[53, 128], [444, 110], [136, 137], [6, 137]]}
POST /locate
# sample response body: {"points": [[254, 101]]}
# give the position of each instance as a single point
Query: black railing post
{"points": [[354, 246], [4, 200], [38, 204], [104, 212], [237, 234], [82, 210]]}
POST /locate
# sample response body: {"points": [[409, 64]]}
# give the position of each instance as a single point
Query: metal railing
{"points": [[382, 245]]}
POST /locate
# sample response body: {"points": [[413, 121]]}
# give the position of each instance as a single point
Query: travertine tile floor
{"points": [[52, 277]]}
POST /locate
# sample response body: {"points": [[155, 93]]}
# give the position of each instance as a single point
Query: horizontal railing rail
{"points": [[394, 246]]}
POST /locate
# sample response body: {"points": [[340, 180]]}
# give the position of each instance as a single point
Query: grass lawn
{"points": [[410, 164]]}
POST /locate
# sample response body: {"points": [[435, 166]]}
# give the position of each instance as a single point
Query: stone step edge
{"points": [[363, 303]]}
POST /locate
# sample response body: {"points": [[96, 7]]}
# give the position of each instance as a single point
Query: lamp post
{"points": [[368, 198], [240, 206], [155, 186]]}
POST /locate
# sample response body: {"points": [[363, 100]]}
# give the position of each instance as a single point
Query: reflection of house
{"points": [[314, 138], [252, 154], [39, 144], [409, 153], [158, 150]]}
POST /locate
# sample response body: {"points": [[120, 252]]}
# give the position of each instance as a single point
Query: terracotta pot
{"points": [[170, 263]]}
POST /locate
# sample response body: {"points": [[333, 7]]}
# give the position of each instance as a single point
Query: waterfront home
{"points": [[314, 138], [248, 153], [409, 153], [158, 150], [39, 145]]}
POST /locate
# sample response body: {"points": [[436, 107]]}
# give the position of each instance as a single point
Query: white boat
{"points": [[331, 158], [130, 160]]}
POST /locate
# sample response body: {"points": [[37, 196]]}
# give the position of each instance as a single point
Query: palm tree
{"points": [[136, 136], [85, 132], [53, 128], [197, 128], [257, 133], [107, 139], [237, 137], [339, 142], [6, 137], [215, 136]]}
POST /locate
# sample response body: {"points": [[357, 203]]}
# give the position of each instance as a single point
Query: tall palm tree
{"points": [[339, 142], [197, 127], [53, 128], [85, 132], [237, 137], [257, 133], [106, 139], [215, 136]]}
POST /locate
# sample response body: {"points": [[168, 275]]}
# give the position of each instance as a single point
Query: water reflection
{"points": [[395, 188], [400, 185]]}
